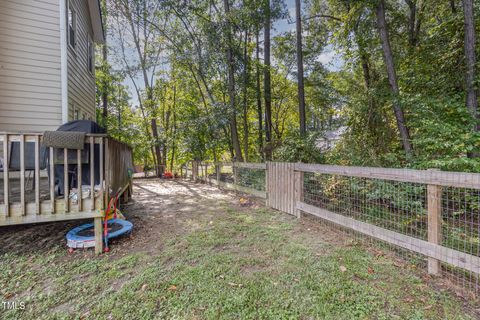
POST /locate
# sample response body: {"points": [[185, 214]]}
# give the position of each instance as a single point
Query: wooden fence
{"points": [[226, 175], [432, 213], [26, 161]]}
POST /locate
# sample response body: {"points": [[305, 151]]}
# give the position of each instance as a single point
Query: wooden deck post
{"points": [[434, 206], [52, 181], [298, 177], [36, 184], [22, 173], [6, 187], [107, 168], [98, 235]]}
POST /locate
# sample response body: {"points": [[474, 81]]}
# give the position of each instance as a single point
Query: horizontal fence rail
{"points": [[239, 176], [433, 177], [428, 214]]}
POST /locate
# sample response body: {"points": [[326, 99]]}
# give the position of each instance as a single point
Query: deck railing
{"points": [[430, 217], [27, 161]]}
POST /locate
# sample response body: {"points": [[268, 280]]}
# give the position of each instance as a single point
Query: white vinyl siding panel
{"points": [[81, 82], [30, 79]]}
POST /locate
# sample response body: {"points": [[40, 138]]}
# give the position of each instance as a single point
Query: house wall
{"points": [[81, 82], [30, 78]]}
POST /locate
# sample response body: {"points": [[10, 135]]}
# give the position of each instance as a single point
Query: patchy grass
{"points": [[236, 263]]}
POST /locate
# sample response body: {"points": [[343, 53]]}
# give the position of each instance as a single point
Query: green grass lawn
{"points": [[236, 263]]}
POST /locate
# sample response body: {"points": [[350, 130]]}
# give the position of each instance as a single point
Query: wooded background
{"points": [[213, 80]]}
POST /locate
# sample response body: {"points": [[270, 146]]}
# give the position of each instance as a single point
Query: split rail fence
{"points": [[431, 217]]}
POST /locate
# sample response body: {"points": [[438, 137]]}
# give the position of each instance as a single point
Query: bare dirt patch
{"points": [[159, 210], [201, 237]]}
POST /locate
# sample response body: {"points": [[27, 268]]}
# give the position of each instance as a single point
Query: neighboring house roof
{"points": [[97, 21]]}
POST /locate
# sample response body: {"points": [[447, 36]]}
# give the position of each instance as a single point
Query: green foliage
{"points": [[190, 100], [443, 135], [300, 149]]}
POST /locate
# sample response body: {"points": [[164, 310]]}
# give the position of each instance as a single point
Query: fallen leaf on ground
{"points": [[172, 288], [343, 268], [144, 287]]}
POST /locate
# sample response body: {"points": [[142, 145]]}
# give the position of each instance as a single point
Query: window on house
{"points": [[90, 56], [72, 25], [76, 113]]}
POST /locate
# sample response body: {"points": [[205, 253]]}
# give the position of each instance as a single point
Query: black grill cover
{"points": [[86, 126]]}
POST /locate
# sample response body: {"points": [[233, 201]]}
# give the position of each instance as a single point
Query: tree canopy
{"points": [[352, 82]]}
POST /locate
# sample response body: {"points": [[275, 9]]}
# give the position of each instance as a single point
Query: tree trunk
{"points": [[267, 83], [231, 87], [158, 153], [453, 7], [301, 88], [412, 6], [174, 130], [167, 129], [245, 98], [392, 79], [471, 102], [414, 20], [259, 101], [366, 70]]}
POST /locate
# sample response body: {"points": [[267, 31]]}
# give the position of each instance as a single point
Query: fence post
{"points": [[218, 172], [235, 175], [434, 207], [195, 170], [207, 180], [298, 177], [267, 184]]}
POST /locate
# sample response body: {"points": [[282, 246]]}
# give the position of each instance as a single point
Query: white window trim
{"points": [[90, 51], [70, 6], [76, 112]]}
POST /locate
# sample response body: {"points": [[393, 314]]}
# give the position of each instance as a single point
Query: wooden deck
{"points": [[15, 193], [28, 196]]}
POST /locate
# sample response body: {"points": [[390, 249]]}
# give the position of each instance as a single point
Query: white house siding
{"points": [[81, 83], [30, 80]]}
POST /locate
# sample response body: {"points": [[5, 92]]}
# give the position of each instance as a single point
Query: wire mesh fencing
{"points": [[406, 208], [428, 218], [244, 177], [226, 172], [251, 178]]}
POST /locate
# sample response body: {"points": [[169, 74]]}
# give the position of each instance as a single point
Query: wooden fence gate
{"points": [[281, 186]]}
